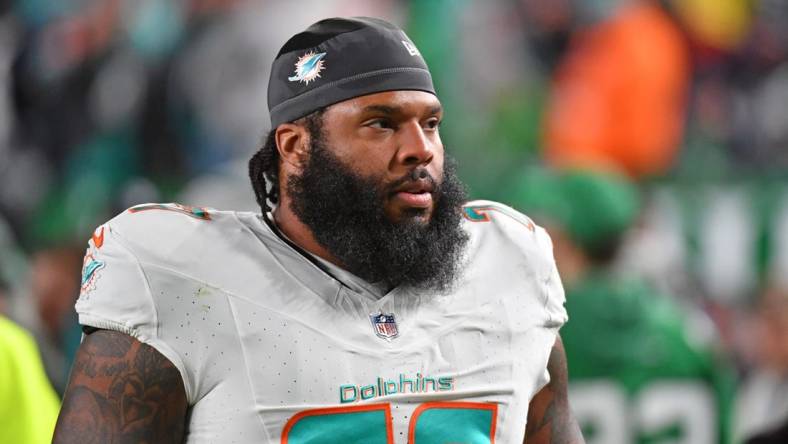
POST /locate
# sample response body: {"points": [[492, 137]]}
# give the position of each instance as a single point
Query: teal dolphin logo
{"points": [[89, 268], [308, 67]]}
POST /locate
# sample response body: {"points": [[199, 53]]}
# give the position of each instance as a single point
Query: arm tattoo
{"points": [[121, 391], [550, 419]]}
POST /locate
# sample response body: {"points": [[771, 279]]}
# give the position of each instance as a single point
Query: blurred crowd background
{"points": [[650, 137]]}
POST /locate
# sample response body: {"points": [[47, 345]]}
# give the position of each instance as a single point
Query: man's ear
{"points": [[292, 142]]}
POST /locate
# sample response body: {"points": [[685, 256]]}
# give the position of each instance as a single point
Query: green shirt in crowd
{"points": [[636, 374]]}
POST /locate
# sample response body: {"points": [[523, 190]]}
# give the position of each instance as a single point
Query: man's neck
{"points": [[286, 228], [298, 233]]}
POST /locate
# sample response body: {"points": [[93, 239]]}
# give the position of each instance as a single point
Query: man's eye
{"points": [[381, 124], [432, 123]]}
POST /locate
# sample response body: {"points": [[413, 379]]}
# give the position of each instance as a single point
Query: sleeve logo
{"points": [[98, 237], [90, 268]]}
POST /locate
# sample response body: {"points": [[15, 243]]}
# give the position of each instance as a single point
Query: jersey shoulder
{"points": [[501, 233], [144, 245], [485, 218], [158, 232], [483, 210]]}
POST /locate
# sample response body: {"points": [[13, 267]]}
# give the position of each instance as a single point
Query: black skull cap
{"points": [[337, 59]]}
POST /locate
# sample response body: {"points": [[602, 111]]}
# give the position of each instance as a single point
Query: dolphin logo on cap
{"points": [[308, 67]]}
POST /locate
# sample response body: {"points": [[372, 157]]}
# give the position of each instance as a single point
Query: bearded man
{"points": [[365, 303]]}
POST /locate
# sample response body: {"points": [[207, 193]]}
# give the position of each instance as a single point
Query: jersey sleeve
{"points": [[532, 246], [115, 293], [554, 297]]}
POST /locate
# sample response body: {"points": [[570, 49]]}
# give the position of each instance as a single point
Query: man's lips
{"points": [[416, 186], [416, 200], [417, 194]]}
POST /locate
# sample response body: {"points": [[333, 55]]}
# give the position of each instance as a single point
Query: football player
{"points": [[366, 303]]}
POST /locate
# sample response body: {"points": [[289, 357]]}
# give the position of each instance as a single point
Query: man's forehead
{"points": [[390, 102]]}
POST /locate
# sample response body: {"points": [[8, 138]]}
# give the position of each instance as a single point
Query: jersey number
{"points": [[431, 423], [614, 418]]}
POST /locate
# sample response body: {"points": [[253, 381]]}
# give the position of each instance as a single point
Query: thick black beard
{"points": [[345, 213]]}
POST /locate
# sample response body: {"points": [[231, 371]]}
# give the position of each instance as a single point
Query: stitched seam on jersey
{"points": [[388, 352], [364, 296], [246, 364], [404, 350], [339, 284], [106, 324], [255, 302], [179, 364], [360, 297], [285, 269], [546, 295], [545, 283]]}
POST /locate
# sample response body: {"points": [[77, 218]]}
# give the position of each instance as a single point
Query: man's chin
{"points": [[410, 215]]}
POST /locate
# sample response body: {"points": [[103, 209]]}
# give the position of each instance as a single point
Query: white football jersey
{"points": [[272, 348]]}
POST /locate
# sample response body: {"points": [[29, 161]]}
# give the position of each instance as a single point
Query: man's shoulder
{"points": [[486, 218], [508, 245], [496, 213], [490, 222], [151, 254], [161, 229]]}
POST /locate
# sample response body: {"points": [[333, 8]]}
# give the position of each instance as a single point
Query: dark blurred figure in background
{"points": [[54, 288], [638, 372], [776, 436]]}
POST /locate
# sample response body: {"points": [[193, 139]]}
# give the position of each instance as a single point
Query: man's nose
{"points": [[415, 147]]}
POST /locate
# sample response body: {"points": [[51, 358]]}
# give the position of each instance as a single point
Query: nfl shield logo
{"points": [[385, 326]]}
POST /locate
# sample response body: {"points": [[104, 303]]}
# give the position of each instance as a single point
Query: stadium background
{"points": [[683, 104]]}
